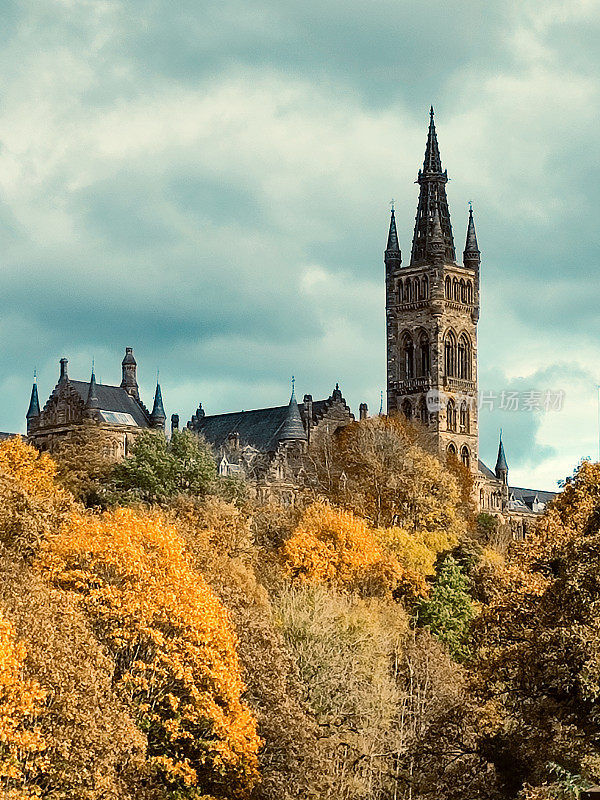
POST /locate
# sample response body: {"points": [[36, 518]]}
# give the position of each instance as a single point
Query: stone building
{"points": [[268, 446], [432, 311], [116, 411]]}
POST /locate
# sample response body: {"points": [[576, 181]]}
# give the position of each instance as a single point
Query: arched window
{"points": [[481, 498], [425, 287], [423, 412], [407, 409], [409, 357], [451, 416], [463, 291], [469, 291], [465, 422], [465, 456], [455, 289], [464, 357], [416, 287], [400, 292], [452, 449], [450, 355], [448, 288], [423, 355]]}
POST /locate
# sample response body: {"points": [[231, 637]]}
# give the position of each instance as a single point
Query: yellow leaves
{"points": [[336, 547], [34, 471], [21, 744], [31, 505], [174, 647]]}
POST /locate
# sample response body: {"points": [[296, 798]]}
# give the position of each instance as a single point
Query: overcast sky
{"points": [[209, 182]]}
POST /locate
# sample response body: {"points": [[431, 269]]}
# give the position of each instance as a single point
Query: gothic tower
{"points": [[432, 309]]}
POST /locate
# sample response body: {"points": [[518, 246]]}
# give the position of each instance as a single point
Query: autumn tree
{"points": [[380, 468], [539, 644], [158, 469], [84, 464], [175, 654], [21, 701], [31, 503]]}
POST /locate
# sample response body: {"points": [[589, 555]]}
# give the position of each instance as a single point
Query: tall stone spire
{"points": [[471, 254], [158, 416], [34, 403], [393, 257], [501, 464], [92, 398], [432, 198]]}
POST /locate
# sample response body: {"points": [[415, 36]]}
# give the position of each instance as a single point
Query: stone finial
{"points": [[64, 371], [174, 423], [363, 411]]}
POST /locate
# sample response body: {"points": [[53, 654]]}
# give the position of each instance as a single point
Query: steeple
{"points": [[158, 416], [393, 257], [501, 465], [432, 198], [34, 403], [92, 398], [471, 255], [292, 427]]}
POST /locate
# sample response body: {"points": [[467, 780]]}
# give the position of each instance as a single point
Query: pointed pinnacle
{"points": [[471, 247], [392, 243]]}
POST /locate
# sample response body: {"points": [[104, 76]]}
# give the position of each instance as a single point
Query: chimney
{"points": [[129, 381], [64, 375], [363, 411], [174, 423]]}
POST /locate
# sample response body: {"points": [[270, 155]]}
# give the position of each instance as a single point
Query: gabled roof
{"points": [[113, 398], [486, 470]]}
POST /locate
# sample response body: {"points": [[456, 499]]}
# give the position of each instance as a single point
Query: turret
{"points": [[129, 367], [158, 416], [292, 428], [34, 405]]}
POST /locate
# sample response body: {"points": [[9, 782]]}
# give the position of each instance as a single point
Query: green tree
{"points": [[158, 469], [449, 611]]}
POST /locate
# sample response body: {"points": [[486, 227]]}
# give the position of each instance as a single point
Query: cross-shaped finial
{"points": [[35, 374], [393, 204], [470, 205], [93, 363], [293, 383]]}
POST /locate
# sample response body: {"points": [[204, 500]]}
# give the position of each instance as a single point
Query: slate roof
{"points": [[529, 495], [4, 436], [261, 428], [486, 470], [113, 398]]}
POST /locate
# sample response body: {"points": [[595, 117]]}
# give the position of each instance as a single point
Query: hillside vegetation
{"points": [[165, 637]]}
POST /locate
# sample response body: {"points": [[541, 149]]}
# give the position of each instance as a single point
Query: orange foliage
{"points": [[34, 471], [336, 547], [31, 504], [21, 744], [172, 641]]}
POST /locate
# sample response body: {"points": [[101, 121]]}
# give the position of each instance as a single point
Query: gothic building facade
{"points": [[116, 411], [432, 311]]}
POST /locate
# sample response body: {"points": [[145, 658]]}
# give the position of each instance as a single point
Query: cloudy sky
{"points": [[209, 182]]}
